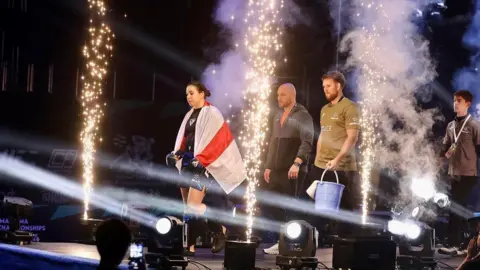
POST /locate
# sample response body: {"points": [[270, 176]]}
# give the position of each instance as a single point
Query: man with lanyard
{"points": [[461, 148], [340, 126]]}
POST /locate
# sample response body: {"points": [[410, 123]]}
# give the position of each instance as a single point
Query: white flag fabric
{"points": [[215, 148]]}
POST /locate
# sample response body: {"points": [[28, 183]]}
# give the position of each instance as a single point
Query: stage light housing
{"points": [[167, 240], [297, 246], [15, 208], [441, 199], [297, 238], [421, 212], [416, 212], [169, 235], [415, 258]]}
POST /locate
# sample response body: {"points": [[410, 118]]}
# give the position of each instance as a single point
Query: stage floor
{"points": [[204, 256]]}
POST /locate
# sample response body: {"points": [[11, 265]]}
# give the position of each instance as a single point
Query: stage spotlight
{"points": [[166, 243], [297, 246], [412, 231], [420, 212], [408, 229], [423, 188], [15, 208], [441, 200], [297, 238], [417, 235], [416, 211], [293, 230], [164, 225], [396, 227]]}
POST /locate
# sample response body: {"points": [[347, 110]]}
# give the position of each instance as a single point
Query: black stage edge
{"points": [[287, 262], [416, 263], [68, 255], [161, 262]]}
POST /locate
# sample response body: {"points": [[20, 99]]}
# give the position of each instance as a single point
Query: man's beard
{"points": [[332, 97]]}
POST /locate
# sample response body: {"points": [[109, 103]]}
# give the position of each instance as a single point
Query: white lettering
{"points": [[33, 228]]}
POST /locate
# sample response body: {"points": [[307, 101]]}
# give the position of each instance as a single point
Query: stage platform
{"points": [[79, 256]]}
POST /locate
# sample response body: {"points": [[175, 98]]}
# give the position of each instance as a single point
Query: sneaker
{"points": [[218, 243], [452, 251], [462, 252], [273, 250]]}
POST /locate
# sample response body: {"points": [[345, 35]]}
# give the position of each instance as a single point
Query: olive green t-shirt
{"points": [[335, 119]]}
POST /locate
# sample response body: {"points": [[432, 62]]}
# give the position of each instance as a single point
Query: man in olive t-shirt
{"points": [[335, 120], [340, 126]]}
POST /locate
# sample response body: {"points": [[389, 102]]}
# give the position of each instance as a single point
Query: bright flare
{"points": [[423, 188], [262, 43], [370, 80], [97, 52]]}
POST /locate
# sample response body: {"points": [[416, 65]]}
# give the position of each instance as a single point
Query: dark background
{"points": [[159, 47]]}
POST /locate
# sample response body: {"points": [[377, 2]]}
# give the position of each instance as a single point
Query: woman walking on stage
{"points": [[205, 151]]}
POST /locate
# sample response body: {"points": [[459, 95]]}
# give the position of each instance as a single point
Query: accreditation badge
{"points": [[451, 150]]}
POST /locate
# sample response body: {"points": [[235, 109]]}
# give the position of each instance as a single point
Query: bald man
{"points": [[288, 150]]}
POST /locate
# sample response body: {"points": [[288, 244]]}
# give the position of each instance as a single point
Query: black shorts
{"points": [[195, 180]]}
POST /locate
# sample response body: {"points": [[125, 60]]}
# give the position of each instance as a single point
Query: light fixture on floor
{"points": [[412, 235], [166, 243], [15, 208], [297, 246]]}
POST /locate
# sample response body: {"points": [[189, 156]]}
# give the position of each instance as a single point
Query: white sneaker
{"points": [[462, 252], [273, 250], [452, 251]]}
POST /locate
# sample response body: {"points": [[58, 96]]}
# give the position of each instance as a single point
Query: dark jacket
{"points": [[293, 139]]}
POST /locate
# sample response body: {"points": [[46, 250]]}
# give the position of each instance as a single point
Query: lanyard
{"points": [[455, 136]]}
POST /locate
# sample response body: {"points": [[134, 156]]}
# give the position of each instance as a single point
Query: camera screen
{"points": [[136, 251]]}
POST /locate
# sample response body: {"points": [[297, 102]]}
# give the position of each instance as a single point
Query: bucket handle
{"points": [[323, 174]]}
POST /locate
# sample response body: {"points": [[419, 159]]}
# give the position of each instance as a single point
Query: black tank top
{"points": [[190, 131]]}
